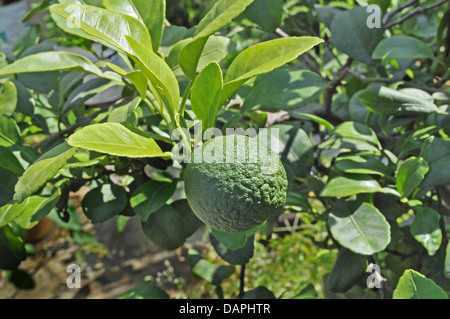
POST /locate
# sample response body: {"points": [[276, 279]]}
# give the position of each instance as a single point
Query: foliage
{"points": [[364, 135]]}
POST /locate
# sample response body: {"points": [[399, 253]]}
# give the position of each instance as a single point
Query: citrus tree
{"points": [[359, 144]]}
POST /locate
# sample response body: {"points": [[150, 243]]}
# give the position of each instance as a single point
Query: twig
{"points": [[393, 12], [415, 12], [334, 83]]}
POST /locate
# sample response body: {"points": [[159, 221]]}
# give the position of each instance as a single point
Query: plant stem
{"points": [[185, 97], [415, 12], [241, 282]]}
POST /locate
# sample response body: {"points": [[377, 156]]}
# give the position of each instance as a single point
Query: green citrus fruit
{"points": [[234, 183]]}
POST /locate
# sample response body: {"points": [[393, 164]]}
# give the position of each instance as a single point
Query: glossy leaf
{"points": [[150, 12], [104, 202], [205, 94], [115, 139], [214, 50], [42, 170], [410, 174], [360, 164], [359, 227], [447, 262], [159, 74], [425, 229], [150, 197], [107, 27], [51, 61], [9, 132], [414, 285], [436, 152], [350, 184], [219, 16], [402, 47], [386, 101], [263, 58]]}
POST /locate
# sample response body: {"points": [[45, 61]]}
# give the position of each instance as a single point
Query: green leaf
{"points": [[348, 270], [205, 94], [51, 61], [86, 91], [28, 213], [150, 197], [165, 228], [27, 38], [402, 47], [9, 132], [9, 161], [425, 229], [386, 101], [312, 117], [107, 27], [284, 89], [413, 285], [350, 34], [436, 152], [12, 249], [150, 12], [410, 174], [8, 98], [214, 50], [232, 241], [208, 271], [126, 112], [360, 164], [115, 139], [268, 14], [7, 182], [159, 74], [190, 222], [104, 202], [219, 16], [293, 145], [352, 135], [42, 170], [359, 227], [239, 256], [350, 184], [145, 291], [326, 14], [262, 58]]}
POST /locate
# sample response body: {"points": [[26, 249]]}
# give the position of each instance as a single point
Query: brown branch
{"points": [[334, 83], [415, 12]]}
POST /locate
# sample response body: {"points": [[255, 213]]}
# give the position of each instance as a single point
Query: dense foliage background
{"points": [[365, 136]]}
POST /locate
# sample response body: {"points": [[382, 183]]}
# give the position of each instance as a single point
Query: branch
{"points": [[334, 83], [393, 12], [415, 12]]}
